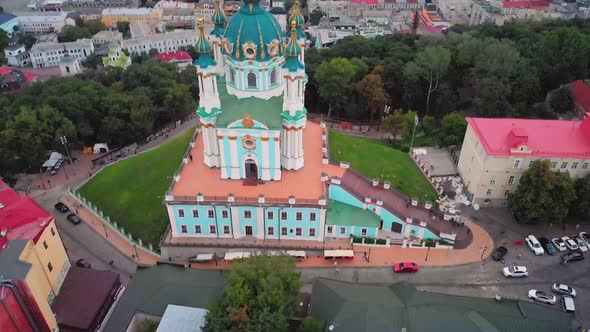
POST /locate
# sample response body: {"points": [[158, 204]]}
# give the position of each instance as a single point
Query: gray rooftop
{"points": [[361, 307], [151, 290], [11, 267]]}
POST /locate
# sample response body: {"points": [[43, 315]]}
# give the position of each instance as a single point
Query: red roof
{"points": [[20, 217], [173, 56], [526, 4], [4, 70], [368, 2], [542, 138], [581, 92]]}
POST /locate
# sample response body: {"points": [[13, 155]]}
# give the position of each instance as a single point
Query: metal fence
{"points": [[113, 224]]}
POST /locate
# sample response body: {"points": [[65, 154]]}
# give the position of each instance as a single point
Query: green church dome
{"points": [[219, 20], [253, 34]]}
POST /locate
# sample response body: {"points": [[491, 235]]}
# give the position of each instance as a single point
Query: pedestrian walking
{"points": [[190, 156]]}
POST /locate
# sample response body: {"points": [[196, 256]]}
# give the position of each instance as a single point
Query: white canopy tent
{"points": [[329, 254], [296, 253], [53, 160]]}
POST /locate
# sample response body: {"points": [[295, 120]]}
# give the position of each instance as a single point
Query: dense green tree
{"points": [[581, 206], [123, 27], [561, 100], [310, 324], [453, 126], [179, 101], [260, 295], [72, 33], [27, 39], [430, 65], [316, 15], [428, 124], [335, 84], [92, 61], [372, 91], [542, 195], [94, 26], [394, 123]]}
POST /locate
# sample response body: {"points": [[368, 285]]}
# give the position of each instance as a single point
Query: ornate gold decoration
{"points": [[247, 122], [262, 54], [250, 50], [238, 40], [249, 142]]}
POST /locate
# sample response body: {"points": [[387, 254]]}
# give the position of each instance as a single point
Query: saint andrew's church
{"points": [[260, 170]]}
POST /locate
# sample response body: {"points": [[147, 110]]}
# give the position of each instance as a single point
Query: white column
{"points": [[265, 159], [322, 227], [222, 163], [235, 164], [235, 222], [172, 219], [260, 222], [277, 173]]}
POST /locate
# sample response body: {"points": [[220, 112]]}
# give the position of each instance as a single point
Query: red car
{"points": [[405, 267]]}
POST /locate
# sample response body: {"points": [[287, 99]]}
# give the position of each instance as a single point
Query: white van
{"points": [[568, 303]]}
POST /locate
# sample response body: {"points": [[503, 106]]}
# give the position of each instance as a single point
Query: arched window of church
{"points": [[273, 77], [232, 75], [251, 80]]}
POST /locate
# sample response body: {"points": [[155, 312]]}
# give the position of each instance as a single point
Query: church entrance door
{"points": [[251, 169], [248, 230]]}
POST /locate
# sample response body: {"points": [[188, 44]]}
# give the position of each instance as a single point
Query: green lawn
{"points": [[373, 158], [131, 192]]}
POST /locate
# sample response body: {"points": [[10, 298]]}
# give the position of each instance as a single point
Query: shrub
{"points": [[429, 242], [357, 239], [444, 242], [369, 241], [381, 241]]}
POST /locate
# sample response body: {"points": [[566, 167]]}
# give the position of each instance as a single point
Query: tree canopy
{"points": [[260, 295]]}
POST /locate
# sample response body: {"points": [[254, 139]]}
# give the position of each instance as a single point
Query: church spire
{"points": [[219, 20], [203, 47], [298, 18]]}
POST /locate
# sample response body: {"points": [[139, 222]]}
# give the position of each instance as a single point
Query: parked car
{"points": [[534, 244], [83, 263], [74, 219], [585, 236], [61, 207], [541, 296], [547, 246], [559, 244], [515, 272], [563, 289], [568, 303], [572, 257], [499, 254], [583, 245], [569, 243], [405, 267]]}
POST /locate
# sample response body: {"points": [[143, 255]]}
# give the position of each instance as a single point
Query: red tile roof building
{"points": [[181, 58], [581, 91], [496, 152]]}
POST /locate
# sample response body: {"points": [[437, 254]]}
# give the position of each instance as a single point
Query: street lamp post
{"points": [[413, 134], [64, 141], [385, 113]]}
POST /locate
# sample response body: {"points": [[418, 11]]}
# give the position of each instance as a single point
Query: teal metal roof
{"points": [[219, 20], [298, 18], [202, 45], [360, 307], [268, 112], [342, 214], [252, 25]]}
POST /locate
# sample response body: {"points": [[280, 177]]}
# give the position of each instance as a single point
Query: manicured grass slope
{"points": [[371, 157], [131, 192]]}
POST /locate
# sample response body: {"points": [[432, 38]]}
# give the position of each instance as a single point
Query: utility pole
{"points": [[413, 134], [64, 141]]}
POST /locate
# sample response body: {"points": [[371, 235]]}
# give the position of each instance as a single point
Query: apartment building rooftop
{"points": [[129, 11], [49, 46], [46, 17], [158, 37]]}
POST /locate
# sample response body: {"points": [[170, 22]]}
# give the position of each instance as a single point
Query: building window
{"points": [[489, 192], [212, 229], [273, 77], [210, 213], [283, 230], [312, 232], [283, 215], [247, 214], [506, 193], [197, 229], [232, 75], [299, 216], [195, 213], [224, 213], [298, 231], [553, 164], [181, 213], [45, 245], [517, 163], [363, 232], [52, 231], [49, 266], [183, 229], [493, 180], [270, 215], [271, 231], [251, 80], [312, 216], [531, 163], [575, 165], [225, 229], [329, 230], [511, 180], [585, 166], [342, 230], [563, 165]]}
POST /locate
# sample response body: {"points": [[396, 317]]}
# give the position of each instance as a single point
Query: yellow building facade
{"points": [[151, 16]]}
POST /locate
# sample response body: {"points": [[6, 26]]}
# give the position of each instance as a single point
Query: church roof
{"points": [[219, 20], [298, 18], [252, 29], [267, 112], [204, 48]]}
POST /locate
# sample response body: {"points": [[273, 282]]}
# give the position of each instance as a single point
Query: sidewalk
{"points": [[138, 254], [389, 256]]}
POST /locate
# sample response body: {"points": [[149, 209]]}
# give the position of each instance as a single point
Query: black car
{"points": [[547, 246], [61, 207], [572, 257], [499, 254], [74, 219], [83, 263]]}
